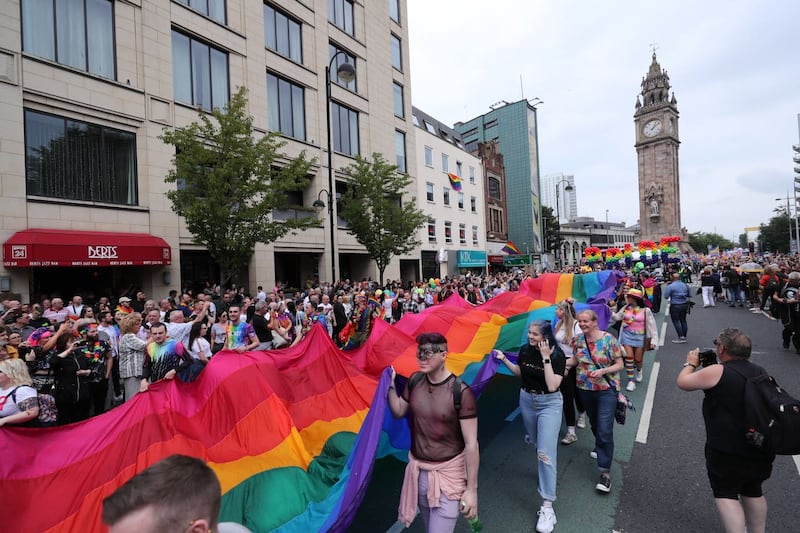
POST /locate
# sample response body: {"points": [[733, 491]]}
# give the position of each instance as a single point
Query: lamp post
{"points": [[569, 187], [347, 73], [789, 215]]}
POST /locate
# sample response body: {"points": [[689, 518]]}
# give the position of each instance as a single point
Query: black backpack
{"points": [[418, 376], [772, 416]]}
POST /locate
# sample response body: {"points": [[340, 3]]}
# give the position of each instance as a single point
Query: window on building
{"points": [[428, 156], [214, 9], [415, 120], [474, 235], [282, 34], [58, 31], [399, 103], [429, 127], [345, 129], [458, 168], [294, 208], [75, 160], [429, 192], [397, 53], [340, 13], [343, 57], [473, 204], [400, 151], [494, 189], [200, 73], [431, 230], [461, 200], [462, 234], [286, 108], [496, 221], [445, 163], [448, 232], [446, 196], [472, 175], [394, 10]]}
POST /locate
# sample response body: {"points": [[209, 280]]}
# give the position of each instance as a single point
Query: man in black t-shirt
{"points": [[787, 301], [261, 325]]}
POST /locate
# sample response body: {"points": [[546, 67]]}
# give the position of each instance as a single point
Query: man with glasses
{"points": [[442, 473], [735, 469]]}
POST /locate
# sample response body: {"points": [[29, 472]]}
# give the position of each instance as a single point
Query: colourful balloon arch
{"points": [[292, 434]]}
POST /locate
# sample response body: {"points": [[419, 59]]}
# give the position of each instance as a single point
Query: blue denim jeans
{"points": [[600, 406], [541, 416], [677, 313]]}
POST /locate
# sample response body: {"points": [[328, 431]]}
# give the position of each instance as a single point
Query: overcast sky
{"points": [[734, 67]]}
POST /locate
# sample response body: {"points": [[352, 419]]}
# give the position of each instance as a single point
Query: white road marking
{"points": [[796, 459], [663, 335], [647, 408], [514, 414]]}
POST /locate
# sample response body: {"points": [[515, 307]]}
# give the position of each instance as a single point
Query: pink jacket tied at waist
{"points": [[449, 478]]}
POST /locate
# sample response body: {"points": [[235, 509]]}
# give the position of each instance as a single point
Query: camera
{"points": [[708, 357]]}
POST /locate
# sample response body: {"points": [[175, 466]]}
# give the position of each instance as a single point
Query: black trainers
{"points": [[785, 344], [604, 484]]}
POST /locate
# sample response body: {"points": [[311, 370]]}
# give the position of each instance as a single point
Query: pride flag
{"points": [[292, 434], [510, 249], [455, 181]]}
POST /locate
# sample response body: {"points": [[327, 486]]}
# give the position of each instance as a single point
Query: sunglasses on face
{"points": [[423, 354]]}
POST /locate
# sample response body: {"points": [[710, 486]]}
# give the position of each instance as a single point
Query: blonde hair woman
{"points": [[131, 354], [19, 403]]}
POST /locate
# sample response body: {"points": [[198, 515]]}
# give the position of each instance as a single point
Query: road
{"points": [[659, 475]]}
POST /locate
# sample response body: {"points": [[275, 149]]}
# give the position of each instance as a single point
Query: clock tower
{"points": [[657, 141]]}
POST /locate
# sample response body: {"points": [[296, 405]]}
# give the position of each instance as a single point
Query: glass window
{"points": [[446, 196], [340, 13], [472, 174], [394, 10], [286, 107], [343, 57], [345, 129], [399, 104], [458, 168], [429, 192], [214, 9], [76, 160], [494, 189], [397, 54], [429, 127], [462, 234], [428, 156], [445, 163], [461, 200], [400, 151], [58, 31], [282, 34], [415, 120], [200, 73], [431, 230], [448, 232], [474, 235], [473, 204]]}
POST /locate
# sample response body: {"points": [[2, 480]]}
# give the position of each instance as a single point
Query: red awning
{"points": [[496, 259], [54, 247]]}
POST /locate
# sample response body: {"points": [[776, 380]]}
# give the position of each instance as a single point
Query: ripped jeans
{"points": [[541, 416]]}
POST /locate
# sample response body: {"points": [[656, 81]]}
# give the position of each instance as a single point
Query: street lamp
{"points": [[347, 73]]}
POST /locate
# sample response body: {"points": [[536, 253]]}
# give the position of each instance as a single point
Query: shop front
{"points": [[471, 261]]}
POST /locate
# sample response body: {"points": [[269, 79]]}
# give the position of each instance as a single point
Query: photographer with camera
{"points": [[735, 469]]}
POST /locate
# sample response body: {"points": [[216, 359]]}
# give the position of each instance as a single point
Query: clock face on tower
{"points": [[652, 128]]}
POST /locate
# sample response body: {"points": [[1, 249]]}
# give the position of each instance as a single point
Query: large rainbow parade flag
{"points": [[292, 434]]}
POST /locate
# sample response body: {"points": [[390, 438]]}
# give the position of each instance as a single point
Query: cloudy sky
{"points": [[734, 67]]}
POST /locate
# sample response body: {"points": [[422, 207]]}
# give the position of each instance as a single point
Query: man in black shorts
{"points": [[735, 469], [442, 473]]}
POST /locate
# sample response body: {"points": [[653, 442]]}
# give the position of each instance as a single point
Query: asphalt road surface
{"points": [[659, 477]]}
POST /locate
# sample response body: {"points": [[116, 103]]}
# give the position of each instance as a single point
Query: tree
{"points": [[229, 183], [774, 235], [700, 241], [374, 212], [552, 231]]}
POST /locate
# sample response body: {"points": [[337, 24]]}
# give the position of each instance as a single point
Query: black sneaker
{"points": [[604, 484], [785, 344]]}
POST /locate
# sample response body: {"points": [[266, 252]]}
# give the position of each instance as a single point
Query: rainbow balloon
{"points": [[292, 434]]}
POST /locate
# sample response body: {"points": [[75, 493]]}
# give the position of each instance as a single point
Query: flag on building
{"points": [[510, 249], [455, 181]]}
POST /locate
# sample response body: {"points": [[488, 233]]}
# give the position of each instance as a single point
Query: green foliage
{"points": [[229, 183], [552, 230], [374, 213], [774, 235], [700, 242], [743, 242]]}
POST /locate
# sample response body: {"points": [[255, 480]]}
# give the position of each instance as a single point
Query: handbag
{"points": [[278, 340], [623, 402]]}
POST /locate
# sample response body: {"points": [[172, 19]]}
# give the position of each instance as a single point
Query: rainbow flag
{"points": [[510, 249], [455, 181], [292, 434]]}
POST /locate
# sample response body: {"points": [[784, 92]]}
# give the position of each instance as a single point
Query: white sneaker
{"points": [[547, 519], [637, 375], [631, 386], [569, 438], [593, 454], [581, 423]]}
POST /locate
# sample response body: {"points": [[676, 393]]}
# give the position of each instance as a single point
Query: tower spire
{"points": [[655, 87]]}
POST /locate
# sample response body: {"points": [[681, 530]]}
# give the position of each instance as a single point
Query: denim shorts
{"points": [[628, 338]]}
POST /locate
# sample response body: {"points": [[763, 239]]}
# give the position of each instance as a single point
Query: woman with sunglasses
{"points": [[541, 364]]}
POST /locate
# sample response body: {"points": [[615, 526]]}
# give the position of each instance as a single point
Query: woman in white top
{"points": [[565, 328], [199, 347]]}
